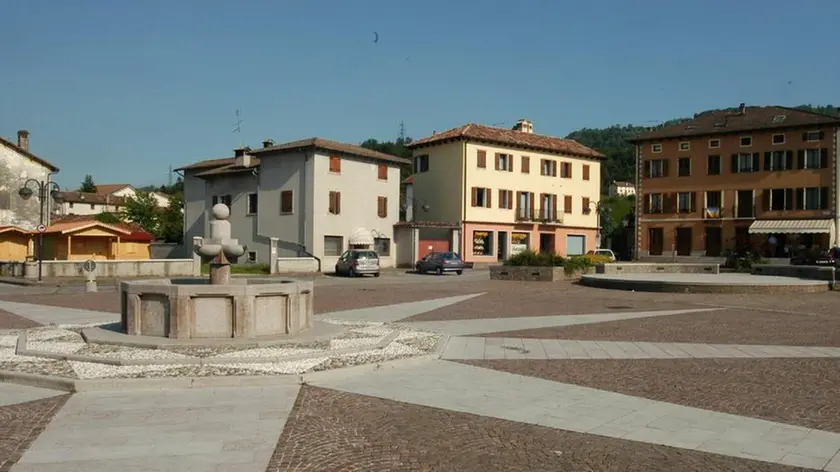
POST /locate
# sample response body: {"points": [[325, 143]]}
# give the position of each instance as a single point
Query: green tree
{"points": [[142, 210], [171, 220], [87, 185], [108, 218], [395, 148]]}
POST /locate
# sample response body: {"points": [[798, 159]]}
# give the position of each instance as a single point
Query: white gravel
{"points": [[353, 343], [54, 347], [373, 330], [8, 340], [289, 367], [271, 352], [92, 370], [123, 352], [46, 334], [409, 334], [8, 354]]}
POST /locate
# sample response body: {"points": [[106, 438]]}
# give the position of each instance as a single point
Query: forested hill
{"points": [[612, 142]]}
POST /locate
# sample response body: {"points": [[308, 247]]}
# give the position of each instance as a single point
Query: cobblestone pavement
{"points": [[385, 435], [13, 321], [804, 392], [733, 326], [20, 425]]}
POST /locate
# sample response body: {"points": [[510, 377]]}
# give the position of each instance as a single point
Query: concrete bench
{"points": [[654, 268], [802, 272]]}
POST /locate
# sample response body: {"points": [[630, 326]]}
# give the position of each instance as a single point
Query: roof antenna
{"points": [[237, 126]]}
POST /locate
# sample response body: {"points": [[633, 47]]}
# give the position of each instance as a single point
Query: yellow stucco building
{"points": [[509, 189]]}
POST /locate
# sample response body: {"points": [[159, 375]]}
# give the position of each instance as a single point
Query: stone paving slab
{"points": [[11, 394], [391, 313], [163, 430], [485, 392], [44, 314], [493, 325]]}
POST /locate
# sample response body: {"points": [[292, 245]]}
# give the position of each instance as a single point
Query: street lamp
{"points": [[45, 189], [597, 208]]}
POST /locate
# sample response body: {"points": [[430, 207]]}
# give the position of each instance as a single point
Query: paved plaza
{"points": [[524, 377]]}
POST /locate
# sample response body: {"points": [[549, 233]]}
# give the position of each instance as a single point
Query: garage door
{"points": [[575, 245]]}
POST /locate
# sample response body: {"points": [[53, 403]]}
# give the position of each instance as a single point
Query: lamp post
{"points": [[629, 223], [597, 207], [45, 189]]}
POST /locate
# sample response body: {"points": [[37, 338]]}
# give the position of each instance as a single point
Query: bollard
{"points": [[90, 275]]}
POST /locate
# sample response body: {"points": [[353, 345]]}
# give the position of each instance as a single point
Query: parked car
{"points": [[818, 257], [440, 262], [357, 262], [608, 253]]}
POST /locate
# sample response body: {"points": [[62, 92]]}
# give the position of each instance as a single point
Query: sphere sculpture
{"points": [[220, 249]]}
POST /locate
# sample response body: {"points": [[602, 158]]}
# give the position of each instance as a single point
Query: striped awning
{"points": [[792, 226]]}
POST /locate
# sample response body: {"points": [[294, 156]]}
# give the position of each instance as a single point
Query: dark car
{"points": [[441, 262], [815, 257]]}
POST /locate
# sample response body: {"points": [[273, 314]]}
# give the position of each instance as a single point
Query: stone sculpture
{"points": [[219, 250]]}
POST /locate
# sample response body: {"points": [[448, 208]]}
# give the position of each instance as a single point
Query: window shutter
{"points": [[788, 160], [666, 203], [646, 169], [664, 167], [554, 208], [553, 168], [510, 200], [756, 161], [474, 196], [482, 159], [586, 172], [767, 158], [805, 136], [693, 207], [501, 198], [823, 198], [674, 202], [337, 202], [823, 158], [510, 162], [526, 164], [800, 159], [734, 163], [567, 203], [498, 161], [332, 202], [383, 172], [531, 205], [489, 194], [800, 199], [646, 204], [765, 199], [788, 199], [822, 135]]}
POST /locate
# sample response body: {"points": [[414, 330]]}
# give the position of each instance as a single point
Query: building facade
{"points": [[86, 203], [128, 191], [315, 197], [17, 165], [509, 190], [621, 189], [762, 179]]}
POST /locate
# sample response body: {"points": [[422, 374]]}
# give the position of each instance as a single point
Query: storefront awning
{"points": [[792, 226]]}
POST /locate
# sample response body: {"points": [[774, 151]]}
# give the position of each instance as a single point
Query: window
{"points": [[654, 203], [504, 162], [548, 207], [713, 165], [811, 136], [525, 165], [252, 257], [586, 172], [548, 167], [745, 162], [525, 205], [813, 198], [226, 199], [567, 204], [657, 168], [813, 158], [421, 163], [779, 138], [778, 160], [335, 203], [685, 146], [587, 208], [335, 164], [287, 202], [714, 143], [252, 204], [778, 199], [746, 141], [333, 245], [656, 148], [382, 246], [714, 199], [482, 243], [506, 199], [93, 206], [382, 207], [481, 197], [6, 200], [382, 172], [566, 170], [214, 201], [684, 166], [481, 160], [71, 204], [685, 202]]}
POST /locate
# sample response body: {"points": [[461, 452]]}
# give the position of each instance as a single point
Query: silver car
{"points": [[357, 262]]}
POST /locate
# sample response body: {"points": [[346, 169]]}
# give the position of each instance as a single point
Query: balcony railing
{"points": [[550, 215], [713, 213], [525, 214], [744, 211]]}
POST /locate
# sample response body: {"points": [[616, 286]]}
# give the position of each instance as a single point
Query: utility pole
{"points": [[401, 138], [170, 175]]}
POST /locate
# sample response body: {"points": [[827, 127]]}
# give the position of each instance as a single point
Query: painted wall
{"points": [[15, 169], [360, 186], [279, 173], [195, 205], [441, 187], [79, 208]]}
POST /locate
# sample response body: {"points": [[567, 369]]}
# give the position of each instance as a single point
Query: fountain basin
{"points": [[195, 309]]}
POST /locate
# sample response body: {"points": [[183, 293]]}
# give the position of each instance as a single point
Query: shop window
{"points": [[482, 243]]}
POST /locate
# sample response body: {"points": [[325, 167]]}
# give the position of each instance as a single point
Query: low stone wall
{"points": [[798, 271], [532, 273], [106, 268], [648, 268], [296, 265]]}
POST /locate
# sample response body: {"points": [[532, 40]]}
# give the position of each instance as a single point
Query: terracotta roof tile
{"points": [[408, 180], [509, 137], [209, 163], [731, 121], [335, 146], [92, 198], [28, 154], [110, 188]]}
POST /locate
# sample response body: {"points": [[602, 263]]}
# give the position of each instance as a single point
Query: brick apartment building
{"points": [[757, 177]]}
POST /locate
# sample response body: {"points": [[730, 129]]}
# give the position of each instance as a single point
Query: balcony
{"points": [[712, 213], [744, 211], [525, 214], [549, 215]]}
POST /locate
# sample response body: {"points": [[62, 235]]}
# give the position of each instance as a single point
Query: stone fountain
{"points": [[225, 308]]}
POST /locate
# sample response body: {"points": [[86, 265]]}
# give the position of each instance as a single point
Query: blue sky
{"points": [[124, 89]]}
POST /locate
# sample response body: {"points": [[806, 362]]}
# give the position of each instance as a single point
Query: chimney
{"points": [[268, 143], [23, 140], [524, 126], [241, 157], [742, 109]]}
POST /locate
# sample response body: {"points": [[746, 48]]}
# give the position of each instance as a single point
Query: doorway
{"points": [[547, 243], [714, 242], [656, 241], [502, 245], [683, 242]]}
